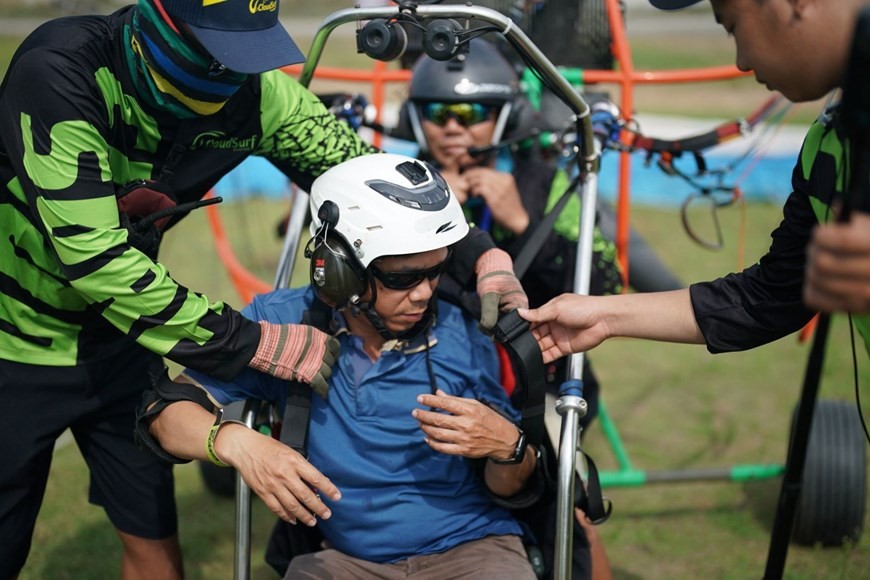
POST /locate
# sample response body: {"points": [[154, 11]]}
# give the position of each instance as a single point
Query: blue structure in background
{"points": [[768, 181]]}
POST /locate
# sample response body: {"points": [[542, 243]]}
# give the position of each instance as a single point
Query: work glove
{"points": [[296, 352], [138, 200], [497, 287]]}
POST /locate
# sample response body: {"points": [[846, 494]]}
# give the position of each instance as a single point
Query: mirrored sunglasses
{"points": [[466, 114], [406, 279]]}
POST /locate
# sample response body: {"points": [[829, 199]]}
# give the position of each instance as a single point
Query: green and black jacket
{"points": [[763, 303], [541, 186], [71, 131]]}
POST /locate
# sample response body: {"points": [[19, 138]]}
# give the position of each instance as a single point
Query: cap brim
{"points": [[250, 51], [673, 4]]}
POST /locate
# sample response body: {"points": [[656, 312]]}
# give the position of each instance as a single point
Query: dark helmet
{"points": [[482, 75]]}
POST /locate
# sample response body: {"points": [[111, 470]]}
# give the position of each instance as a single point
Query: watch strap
{"points": [[519, 451]]}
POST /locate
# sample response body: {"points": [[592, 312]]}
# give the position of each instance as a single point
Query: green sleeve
{"points": [[300, 135]]}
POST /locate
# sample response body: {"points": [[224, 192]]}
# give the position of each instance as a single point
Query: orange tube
{"points": [[625, 77]]}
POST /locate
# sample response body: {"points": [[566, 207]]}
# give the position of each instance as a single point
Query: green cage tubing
{"points": [[532, 88], [627, 476]]}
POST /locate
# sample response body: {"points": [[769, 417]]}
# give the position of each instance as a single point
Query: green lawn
{"points": [[676, 406]]}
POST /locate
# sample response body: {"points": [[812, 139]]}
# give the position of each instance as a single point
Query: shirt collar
{"points": [[419, 343]]}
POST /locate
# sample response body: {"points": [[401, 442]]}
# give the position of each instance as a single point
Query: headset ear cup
{"points": [[335, 276], [403, 129], [522, 119]]}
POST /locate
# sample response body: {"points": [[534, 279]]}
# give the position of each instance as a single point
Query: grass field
{"points": [[676, 406]]}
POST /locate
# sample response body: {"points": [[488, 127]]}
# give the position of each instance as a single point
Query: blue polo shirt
{"points": [[399, 497]]}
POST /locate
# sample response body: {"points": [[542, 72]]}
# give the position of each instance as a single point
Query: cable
{"points": [[855, 379]]}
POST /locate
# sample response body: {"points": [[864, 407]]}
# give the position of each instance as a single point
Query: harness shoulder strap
{"points": [[513, 333], [297, 410]]}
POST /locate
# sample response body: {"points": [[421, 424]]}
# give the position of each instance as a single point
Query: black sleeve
{"points": [[762, 303], [465, 255]]}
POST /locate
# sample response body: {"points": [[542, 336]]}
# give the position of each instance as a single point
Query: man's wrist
{"points": [[518, 454], [211, 439]]}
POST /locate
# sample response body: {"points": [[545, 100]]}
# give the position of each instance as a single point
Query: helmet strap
{"points": [[417, 127], [501, 122]]}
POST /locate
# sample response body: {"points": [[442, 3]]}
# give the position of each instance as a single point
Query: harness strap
{"points": [[590, 500], [297, 409], [541, 232], [513, 333]]}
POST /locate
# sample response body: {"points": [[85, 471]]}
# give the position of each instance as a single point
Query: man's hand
{"points": [[137, 200], [467, 428], [565, 325], [287, 483], [497, 287], [499, 190], [838, 267], [296, 352]]}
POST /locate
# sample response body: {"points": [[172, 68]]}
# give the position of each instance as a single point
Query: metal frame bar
{"points": [[570, 404]]}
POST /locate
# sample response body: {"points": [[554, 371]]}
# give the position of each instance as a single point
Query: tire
{"points": [[830, 509], [221, 481]]}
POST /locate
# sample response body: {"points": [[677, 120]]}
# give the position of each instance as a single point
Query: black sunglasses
{"points": [[405, 280]]}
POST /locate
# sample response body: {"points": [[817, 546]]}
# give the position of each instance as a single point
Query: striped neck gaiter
{"points": [[170, 73]]}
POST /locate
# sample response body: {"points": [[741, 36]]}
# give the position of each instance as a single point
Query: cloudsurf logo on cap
{"points": [[260, 5]]}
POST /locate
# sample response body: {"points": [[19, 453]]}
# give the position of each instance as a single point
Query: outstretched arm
{"points": [[286, 482], [571, 323]]}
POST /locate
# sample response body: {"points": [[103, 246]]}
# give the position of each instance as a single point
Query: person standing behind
{"points": [[800, 49], [105, 120], [474, 102]]}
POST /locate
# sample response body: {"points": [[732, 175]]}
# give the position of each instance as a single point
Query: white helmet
{"points": [[381, 204]]}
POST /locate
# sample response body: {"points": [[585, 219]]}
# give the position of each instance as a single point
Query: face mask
{"points": [[172, 72]]}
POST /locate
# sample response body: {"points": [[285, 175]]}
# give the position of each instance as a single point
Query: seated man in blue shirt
{"points": [[414, 396]]}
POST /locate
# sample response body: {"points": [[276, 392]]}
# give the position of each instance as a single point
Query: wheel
{"points": [[830, 509], [221, 481]]}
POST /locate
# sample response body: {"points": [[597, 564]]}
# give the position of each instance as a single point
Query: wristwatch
{"points": [[519, 452]]}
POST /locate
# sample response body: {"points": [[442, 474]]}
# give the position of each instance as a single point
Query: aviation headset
{"points": [[376, 205]]}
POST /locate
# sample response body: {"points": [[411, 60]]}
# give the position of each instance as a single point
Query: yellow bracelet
{"points": [[212, 435], [209, 446]]}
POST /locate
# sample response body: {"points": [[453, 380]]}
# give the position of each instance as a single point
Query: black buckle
{"points": [[509, 327]]}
